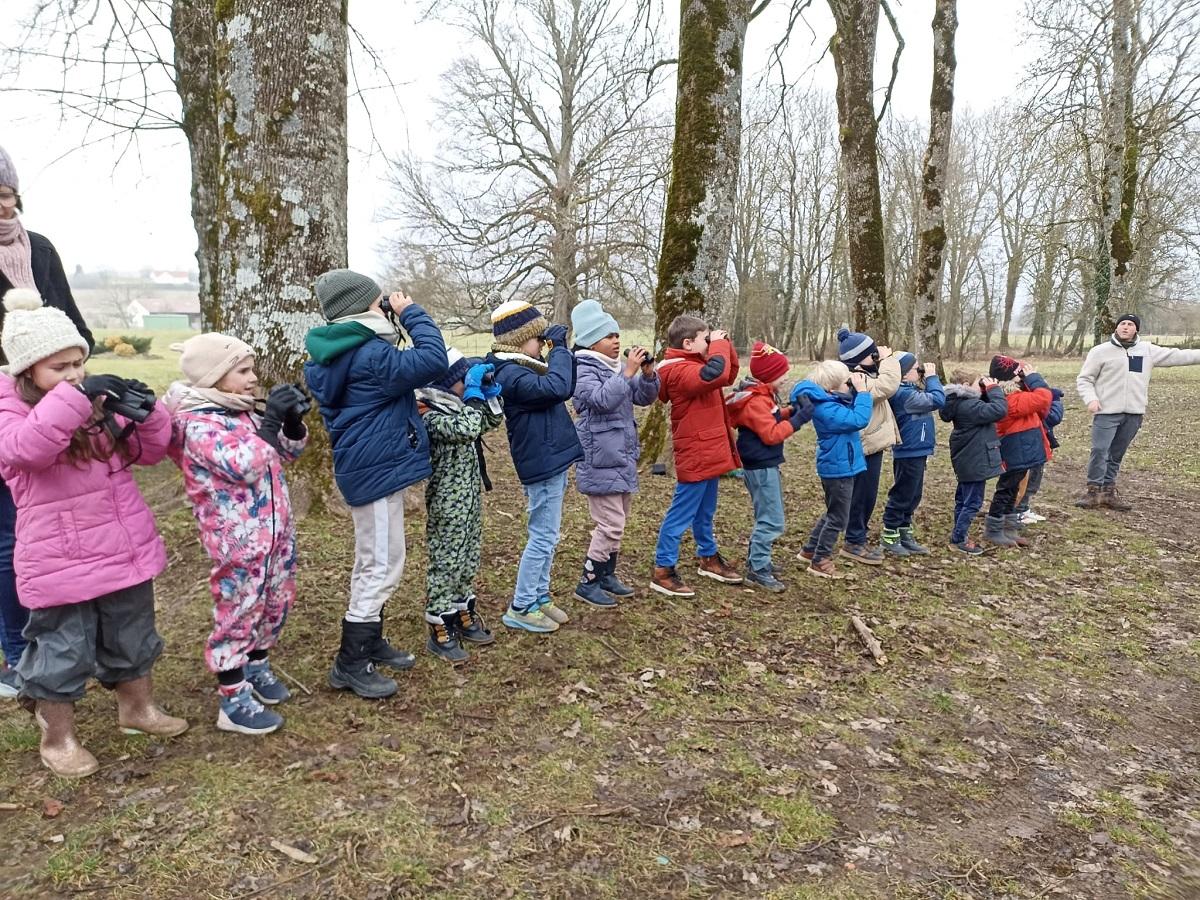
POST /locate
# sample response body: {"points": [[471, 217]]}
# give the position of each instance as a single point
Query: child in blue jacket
{"points": [[841, 409], [1033, 483], [366, 388], [543, 443], [913, 405]]}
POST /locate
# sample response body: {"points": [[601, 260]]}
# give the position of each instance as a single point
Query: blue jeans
{"points": [[766, 493], [907, 488], [693, 506], [862, 503], [13, 616], [968, 500], [544, 506]]}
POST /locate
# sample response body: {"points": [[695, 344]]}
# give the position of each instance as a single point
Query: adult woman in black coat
{"points": [[28, 262]]}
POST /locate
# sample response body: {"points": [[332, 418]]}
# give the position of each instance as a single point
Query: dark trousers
{"points": [[968, 500], [1032, 486], [862, 503], [823, 538], [1004, 498], [908, 484], [13, 616]]}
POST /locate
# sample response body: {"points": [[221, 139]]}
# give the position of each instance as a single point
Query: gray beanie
{"points": [[342, 292], [8, 172]]}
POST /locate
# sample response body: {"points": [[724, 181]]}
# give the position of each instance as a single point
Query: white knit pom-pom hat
{"points": [[33, 331]]}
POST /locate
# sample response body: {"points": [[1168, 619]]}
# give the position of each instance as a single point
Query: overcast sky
{"points": [[135, 214]]}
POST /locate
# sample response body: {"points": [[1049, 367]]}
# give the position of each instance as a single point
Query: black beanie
{"points": [[1130, 317]]}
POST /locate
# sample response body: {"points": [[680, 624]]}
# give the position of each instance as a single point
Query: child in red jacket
{"points": [[1023, 444], [697, 364]]}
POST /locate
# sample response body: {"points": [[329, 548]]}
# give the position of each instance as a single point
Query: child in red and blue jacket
{"points": [[1023, 444], [913, 404], [1033, 482]]}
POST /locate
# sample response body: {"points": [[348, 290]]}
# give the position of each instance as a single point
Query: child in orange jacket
{"points": [[763, 425], [1023, 444], [697, 365]]}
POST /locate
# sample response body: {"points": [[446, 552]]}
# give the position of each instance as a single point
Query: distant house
{"points": [[170, 279], [169, 311]]}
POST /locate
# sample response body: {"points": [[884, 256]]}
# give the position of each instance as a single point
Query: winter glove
{"points": [[473, 382], [293, 416], [556, 335], [108, 386], [491, 387], [278, 401], [802, 412]]}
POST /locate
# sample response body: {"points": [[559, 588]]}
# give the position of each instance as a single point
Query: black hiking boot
{"points": [[352, 667], [444, 640]]}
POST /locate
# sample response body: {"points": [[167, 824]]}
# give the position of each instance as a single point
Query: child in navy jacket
{"points": [[543, 443], [913, 405]]}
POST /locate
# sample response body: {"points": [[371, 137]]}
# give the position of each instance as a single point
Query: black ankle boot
{"points": [[352, 667], [384, 654], [472, 628], [609, 580], [444, 640]]}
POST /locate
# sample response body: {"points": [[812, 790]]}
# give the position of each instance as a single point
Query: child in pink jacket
{"points": [[232, 462], [87, 548]]}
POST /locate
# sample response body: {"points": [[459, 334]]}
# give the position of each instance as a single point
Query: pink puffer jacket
{"points": [[82, 530]]}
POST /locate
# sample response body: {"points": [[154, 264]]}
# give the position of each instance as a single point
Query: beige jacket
{"points": [[1120, 378], [881, 432]]}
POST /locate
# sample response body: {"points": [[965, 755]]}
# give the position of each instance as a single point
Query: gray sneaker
{"points": [[861, 553], [10, 684]]}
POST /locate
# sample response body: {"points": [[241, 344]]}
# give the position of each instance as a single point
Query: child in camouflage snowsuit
{"points": [[457, 409]]}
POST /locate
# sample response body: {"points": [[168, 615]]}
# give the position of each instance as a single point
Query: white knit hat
{"points": [[207, 357], [33, 331]]}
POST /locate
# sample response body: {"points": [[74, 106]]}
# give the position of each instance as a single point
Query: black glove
{"points": [[292, 404], [802, 412], [108, 386], [272, 419], [557, 335]]}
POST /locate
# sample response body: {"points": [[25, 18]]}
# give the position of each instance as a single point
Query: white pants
{"points": [[378, 556]]}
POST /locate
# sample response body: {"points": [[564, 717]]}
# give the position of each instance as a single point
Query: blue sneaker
{"points": [[764, 579], [242, 714], [267, 688], [532, 619], [10, 684]]}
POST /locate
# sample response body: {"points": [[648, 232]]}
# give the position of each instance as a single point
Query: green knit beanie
{"points": [[343, 292]]}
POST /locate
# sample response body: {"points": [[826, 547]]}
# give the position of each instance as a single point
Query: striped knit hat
{"points": [[459, 365], [514, 322], [854, 347]]}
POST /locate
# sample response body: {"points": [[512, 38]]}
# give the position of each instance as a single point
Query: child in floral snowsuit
{"points": [[231, 460], [458, 409]]}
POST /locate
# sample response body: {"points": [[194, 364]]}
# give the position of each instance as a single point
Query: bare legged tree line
{"points": [[564, 171]]}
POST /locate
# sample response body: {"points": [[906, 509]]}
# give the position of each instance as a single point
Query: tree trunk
{"points": [[264, 98], [853, 50], [932, 219], [1012, 281], [698, 226]]}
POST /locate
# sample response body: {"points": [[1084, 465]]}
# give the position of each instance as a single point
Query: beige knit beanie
{"points": [[207, 357], [33, 331]]}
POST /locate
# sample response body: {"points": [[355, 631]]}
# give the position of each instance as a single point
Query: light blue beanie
{"points": [[591, 323]]}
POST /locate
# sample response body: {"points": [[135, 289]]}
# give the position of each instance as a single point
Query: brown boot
{"points": [[1110, 498], [61, 751], [1090, 500], [138, 714], [666, 581], [716, 568]]}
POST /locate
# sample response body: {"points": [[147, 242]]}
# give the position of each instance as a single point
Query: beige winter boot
{"points": [[61, 751], [138, 714]]}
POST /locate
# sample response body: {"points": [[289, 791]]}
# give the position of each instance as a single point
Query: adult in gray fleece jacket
{"points": [[1114, 383]]}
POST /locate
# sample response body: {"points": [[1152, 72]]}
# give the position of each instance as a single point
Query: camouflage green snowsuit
{"points": [[454, 520]]}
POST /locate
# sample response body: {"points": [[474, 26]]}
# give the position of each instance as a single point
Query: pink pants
{"points": [[609, 512]]}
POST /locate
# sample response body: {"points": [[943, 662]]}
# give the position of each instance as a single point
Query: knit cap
{"points": [[33, 331], [342, 292], [767, 364], [854, 347], [1003, 368], [591, 323], [907, 361], [459, 365], [207, 357], [515, 321], [1128, 317], [8, 171]]}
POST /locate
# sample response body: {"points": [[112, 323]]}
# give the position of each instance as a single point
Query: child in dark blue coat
{"points": [[913, 404], [543, 443], [841, 409], [366, 388], [974, 405], [1033, 483]]}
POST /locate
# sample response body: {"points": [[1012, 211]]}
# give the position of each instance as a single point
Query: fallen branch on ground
{"points": [[869, 639]]}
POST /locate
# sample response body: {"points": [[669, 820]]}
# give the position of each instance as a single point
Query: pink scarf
{"points": [[16, 262]]}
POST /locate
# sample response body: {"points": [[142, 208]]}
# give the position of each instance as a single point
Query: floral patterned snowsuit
{"points": [[454, 520], [235, 482]]}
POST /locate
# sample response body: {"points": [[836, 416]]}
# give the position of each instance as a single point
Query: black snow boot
{"points": [[352, 667], [610, 582], [384, 654], [472, 628], [444, 640]]}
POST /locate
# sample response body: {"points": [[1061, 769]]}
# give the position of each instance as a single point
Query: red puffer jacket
{"points": [[1023, 441], [700, 427]]}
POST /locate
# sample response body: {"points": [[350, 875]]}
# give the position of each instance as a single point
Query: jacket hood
{"points": [[328, 381], [327, 342], [747, 389], [814, 393], [961, 390]]}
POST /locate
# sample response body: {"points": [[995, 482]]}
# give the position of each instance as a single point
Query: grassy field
{"points": [[1032, 735]]}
